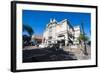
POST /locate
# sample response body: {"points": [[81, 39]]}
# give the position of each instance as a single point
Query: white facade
{"points": [[60, 32], [76, 34]]}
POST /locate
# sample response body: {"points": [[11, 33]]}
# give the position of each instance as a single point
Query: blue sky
{"points": [[39, 19]]}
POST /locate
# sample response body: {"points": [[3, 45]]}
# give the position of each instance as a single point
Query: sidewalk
{"points": [[79, 53], [30, 47]]}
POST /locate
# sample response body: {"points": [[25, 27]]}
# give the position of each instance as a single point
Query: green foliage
{"points": [[83, 37], [28, 29], [27, 39]]}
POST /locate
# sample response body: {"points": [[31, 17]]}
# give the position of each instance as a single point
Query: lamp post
{"points": [[85, 49]]}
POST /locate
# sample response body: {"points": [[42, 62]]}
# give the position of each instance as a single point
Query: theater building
{"points": [[62, 33]]}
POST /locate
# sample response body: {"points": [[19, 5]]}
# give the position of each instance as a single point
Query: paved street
{"points": [[47, 54], [36, 54]]}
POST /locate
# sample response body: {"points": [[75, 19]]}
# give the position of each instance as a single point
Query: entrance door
{"points": [[63, 42]]}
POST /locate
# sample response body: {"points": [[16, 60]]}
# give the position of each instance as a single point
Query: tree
{"points": [[28, 29], [82, 39], [26, 38]]}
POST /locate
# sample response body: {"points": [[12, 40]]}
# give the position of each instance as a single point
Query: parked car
{"points": [[42, 45]]}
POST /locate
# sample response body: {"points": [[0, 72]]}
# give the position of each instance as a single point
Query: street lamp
{"points": [[85, 49]]}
